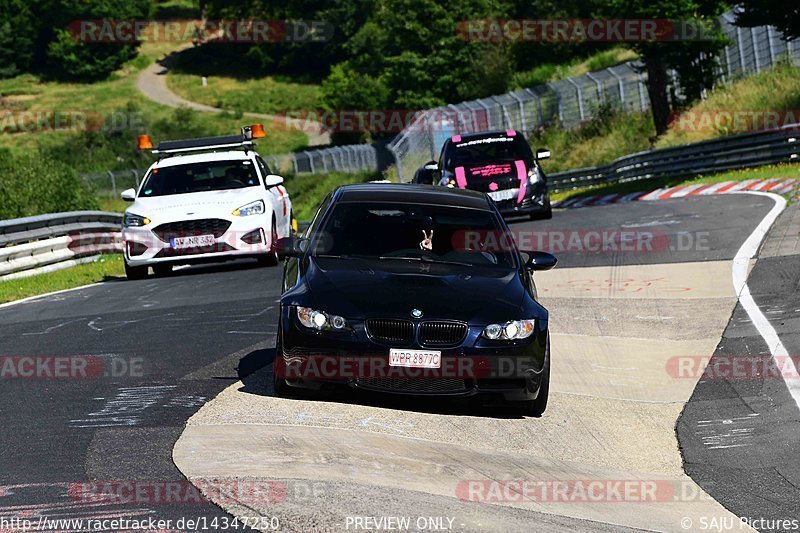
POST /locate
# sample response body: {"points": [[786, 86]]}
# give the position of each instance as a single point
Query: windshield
{"points": [[487, 150], [424, 233], [199, 177]]}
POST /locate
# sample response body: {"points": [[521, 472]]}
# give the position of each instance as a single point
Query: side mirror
{"points": [[289, 247], [539, 260], [542, 153], [129, 195], [427, 173], [272, 180]]}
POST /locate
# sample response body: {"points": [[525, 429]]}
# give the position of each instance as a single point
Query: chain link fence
{"points": [[569, 102]]}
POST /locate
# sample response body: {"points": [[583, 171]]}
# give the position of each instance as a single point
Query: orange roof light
{"points": [[258, 131], [145, 143]]}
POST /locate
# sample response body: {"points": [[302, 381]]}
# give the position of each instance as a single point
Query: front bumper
{"points": [[535, 202], [312, 359], [143, 246]]}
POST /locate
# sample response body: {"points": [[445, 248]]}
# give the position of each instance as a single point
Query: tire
{"points": [[281, 388], [135, 272], [547, 215], [537, 407], [271, 257], [162, 271]]}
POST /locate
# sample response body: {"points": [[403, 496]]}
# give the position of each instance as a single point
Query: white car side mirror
{"points": [[129, 195], [272, 180]]}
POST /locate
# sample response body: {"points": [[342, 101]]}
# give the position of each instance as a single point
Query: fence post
{"points": [[113, 184], [620, 84], [642, 102], [740, 45], [310, 162], [580, 97], [558, 102], [521, 113], [770, 46], [600, 92], [755, 49], [135, 177]]}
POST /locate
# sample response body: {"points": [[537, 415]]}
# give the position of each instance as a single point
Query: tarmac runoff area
{"points": [[603, 457]]}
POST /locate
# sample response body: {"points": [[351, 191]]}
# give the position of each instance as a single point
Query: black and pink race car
{"points": [[498, 163]]}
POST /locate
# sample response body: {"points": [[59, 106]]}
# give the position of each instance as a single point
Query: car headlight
{"points": [[511, 330], [134, 221], [320, 320], [535, 176], [253, 208]]}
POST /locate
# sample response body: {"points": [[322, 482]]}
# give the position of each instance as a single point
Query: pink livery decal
{"points": [[510, 133], [456, 138], [522, 175], [461, 178]]}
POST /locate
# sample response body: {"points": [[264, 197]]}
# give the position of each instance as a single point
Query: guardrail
{"points": [[34, 245], [716, 155]]}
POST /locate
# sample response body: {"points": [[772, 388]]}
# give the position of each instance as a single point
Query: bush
{"points": [[34, 186]]}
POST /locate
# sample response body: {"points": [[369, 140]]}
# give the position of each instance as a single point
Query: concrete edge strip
{"points": [[741, 263], [724, 187]]}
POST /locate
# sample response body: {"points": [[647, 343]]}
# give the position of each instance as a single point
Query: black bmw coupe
{"points": [[413, 289]]}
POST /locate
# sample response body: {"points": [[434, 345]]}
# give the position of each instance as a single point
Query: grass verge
{"points": [[105, 268], [308, 190], [257, 95]]}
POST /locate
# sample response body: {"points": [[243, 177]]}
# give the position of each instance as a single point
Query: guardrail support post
{"points": [[113, 184]]}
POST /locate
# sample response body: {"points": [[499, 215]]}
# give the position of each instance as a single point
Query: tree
{"points": [[693, 60], [779, 13], [17, 45]]}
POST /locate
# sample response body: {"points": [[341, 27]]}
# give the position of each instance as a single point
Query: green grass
{"points": [[257, 95], [28, 93], [598, 142], [776, 89], [762, 173], [107, 267], [614, 133], [554, 72], [308, 190]]}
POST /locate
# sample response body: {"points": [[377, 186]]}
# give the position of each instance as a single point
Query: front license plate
{"points": [[415, 358], [195, 241], [506, 194]]}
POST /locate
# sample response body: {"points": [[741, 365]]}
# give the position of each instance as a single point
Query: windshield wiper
{"points": [[424, 260]]}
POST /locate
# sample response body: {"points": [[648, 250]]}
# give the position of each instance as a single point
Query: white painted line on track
{"points": [[741, 264]]}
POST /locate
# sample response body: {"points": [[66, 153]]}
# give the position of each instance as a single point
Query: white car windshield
{"points": [[199, 177]]}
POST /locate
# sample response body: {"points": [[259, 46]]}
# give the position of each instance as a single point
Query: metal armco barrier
{"points": [[43, 243], [716, 155]]}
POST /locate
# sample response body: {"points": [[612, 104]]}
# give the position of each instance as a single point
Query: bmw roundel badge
{"points": [[416, 313]]}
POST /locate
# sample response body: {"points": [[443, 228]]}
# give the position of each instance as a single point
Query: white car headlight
{"points": [[253, 208], [511, 330], [320, 320], [134, 221], [535, 176]]}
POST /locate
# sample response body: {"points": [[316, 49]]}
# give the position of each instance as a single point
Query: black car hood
{"points": [[365, 288]]}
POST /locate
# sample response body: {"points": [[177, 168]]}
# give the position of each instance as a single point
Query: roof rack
{"points": [[244, 139], [204, 143]]}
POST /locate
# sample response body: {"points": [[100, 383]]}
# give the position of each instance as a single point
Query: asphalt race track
{"points": [[198, 345]]}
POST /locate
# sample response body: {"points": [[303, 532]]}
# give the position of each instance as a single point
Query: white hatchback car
{"points": [[210, 206]]}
